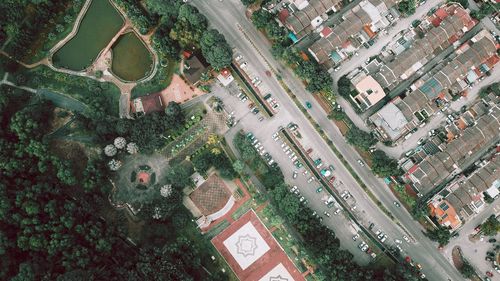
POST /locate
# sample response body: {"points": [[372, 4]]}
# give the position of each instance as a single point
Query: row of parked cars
{"points": [[260, 149], [288, 151]]}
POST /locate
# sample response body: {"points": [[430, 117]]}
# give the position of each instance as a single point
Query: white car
{"points": [[399, 248], [238, 57], [383, 238], [406, 238], [310, 179], [337, 212], [397, 241], [361, 163], [292, 190], [355, 237], [294, 175], [243, 65]]}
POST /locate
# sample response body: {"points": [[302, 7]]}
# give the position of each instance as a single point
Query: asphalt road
{"points": [[253, 46]]}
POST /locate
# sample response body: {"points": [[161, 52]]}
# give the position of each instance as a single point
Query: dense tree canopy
{"points": [[407, 7], [491, 226], [383, 165], [441, 234], [360, 138], [215, 49]]}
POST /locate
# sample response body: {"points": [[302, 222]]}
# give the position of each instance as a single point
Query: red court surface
{"points": [[252, 252]]}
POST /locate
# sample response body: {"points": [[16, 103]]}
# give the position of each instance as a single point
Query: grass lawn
{"points": [[160, 81], [242, 209], [80, 88], [207, 250]]}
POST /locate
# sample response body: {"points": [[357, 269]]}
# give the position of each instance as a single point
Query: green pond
{"points": [[131, 59], [100, 23]]}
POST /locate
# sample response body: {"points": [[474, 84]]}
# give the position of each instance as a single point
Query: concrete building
{"points": [[479, 55], [369, 91], [448, 25], [308, 16], [359, 25]]}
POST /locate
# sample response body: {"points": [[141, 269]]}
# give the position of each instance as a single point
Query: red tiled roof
{"points": [[326, 31], [369, 31], [187, 54], [413, 169], [283, 15], [441, 13], [436, 22], [492, 61]]}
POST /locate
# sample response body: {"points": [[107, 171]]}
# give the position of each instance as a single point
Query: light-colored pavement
{"points": [[263, 131], [225, 16], [475, 250]]}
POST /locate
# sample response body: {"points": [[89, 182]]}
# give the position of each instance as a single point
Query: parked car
{"points": [[361, 163], [337, 211], [319, 189], [326, 214], [397, 204], [294, 176], [406, 238], [355, 237]]}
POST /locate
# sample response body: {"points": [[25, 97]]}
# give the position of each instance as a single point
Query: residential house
{"points": [[309, 15], [453, 22], [359, 25], [458, 153], [420, 104], [193, 69], [464, 196]]}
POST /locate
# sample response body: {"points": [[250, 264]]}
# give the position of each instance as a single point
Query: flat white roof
{"points": [[278, 273], [246, 245], [370, 89]]}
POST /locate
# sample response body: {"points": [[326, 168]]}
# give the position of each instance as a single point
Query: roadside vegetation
{"points": [[319, 242], [486, 9], [491, 226], [407, 7], [441, 234], [314, 76]]}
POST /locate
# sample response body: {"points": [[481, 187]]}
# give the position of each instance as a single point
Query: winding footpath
{"points": [[102, 62]]}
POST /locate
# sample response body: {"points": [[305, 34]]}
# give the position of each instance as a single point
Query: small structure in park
{"points": [[143, 177]]}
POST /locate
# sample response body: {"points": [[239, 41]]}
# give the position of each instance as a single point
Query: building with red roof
{"points": [[253, 253]]}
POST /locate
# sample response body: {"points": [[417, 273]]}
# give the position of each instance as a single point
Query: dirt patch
{"points": [[323, 102], [60, 117], [179, 91], [456, 255], [342, 127]]}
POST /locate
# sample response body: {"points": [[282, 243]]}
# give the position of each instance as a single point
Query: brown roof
{"points": [[193, 69], [211, 196]]}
